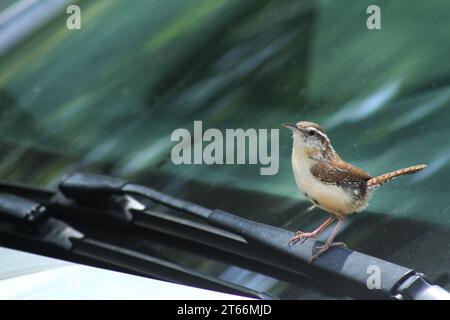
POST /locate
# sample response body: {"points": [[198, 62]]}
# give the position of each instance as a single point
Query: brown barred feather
{"points": [[338, 171], [378, 181]]}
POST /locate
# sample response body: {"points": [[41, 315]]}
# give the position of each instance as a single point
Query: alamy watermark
{"points": [[232, 147], [373, 22], [374, 278], [73, 21]]}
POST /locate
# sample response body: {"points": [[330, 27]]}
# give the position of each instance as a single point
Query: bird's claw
{"points": [[325, 248], [301, 236]]}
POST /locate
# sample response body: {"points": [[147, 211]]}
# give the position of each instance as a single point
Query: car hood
{"points": [[29, 276]]}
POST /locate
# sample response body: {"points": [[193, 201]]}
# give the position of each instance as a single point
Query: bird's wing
{"points": [[338, 172]]}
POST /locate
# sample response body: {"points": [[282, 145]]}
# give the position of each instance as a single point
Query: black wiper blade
{"points": [[30, 223], [348, 267], [88, 188], [21, 211]]}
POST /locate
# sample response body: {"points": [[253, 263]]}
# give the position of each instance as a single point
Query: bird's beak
{"points": [[293, 127], [290, 126]]}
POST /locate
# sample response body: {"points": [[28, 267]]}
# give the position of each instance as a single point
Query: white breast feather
{"points": [[331, 198]]}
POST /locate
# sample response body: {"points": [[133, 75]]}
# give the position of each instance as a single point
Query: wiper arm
{"points": [[30, 222], [268, 244], [87, 188]]}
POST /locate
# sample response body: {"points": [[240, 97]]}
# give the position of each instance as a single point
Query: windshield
{"points": [[106, 98]]}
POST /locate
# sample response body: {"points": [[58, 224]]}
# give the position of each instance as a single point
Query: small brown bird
{"points": [[329, 182]]}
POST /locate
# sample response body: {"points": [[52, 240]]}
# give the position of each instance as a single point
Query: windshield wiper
{"points": [[102, 199], [263, 243], [29, 224]]}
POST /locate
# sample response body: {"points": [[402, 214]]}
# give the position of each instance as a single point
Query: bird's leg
{"points": [[329, 243], [300, 235]]}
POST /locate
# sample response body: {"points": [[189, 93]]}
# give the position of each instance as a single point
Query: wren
{"points": [[329, 182]]}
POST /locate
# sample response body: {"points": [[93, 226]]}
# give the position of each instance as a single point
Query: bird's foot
{"points": [[301, 236], [325, 248]]}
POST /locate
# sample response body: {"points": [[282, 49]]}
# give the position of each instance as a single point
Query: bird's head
{"points": [[310, 137]]}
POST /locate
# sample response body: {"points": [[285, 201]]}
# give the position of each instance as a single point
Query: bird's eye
{"points": [[311, 133]]}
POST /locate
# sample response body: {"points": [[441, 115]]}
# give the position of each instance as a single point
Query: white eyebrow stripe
{"points": [[319, 132]]}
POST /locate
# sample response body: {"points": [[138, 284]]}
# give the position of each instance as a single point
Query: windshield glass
{"points": [[106, 98]]}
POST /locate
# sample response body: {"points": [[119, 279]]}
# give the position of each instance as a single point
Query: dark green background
{"points": [[107, 97]]}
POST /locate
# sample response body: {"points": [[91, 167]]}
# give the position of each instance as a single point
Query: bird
{"points": [[329, 182]]}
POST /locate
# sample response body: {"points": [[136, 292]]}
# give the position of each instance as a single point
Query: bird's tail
{"points": [[378, 181]]}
